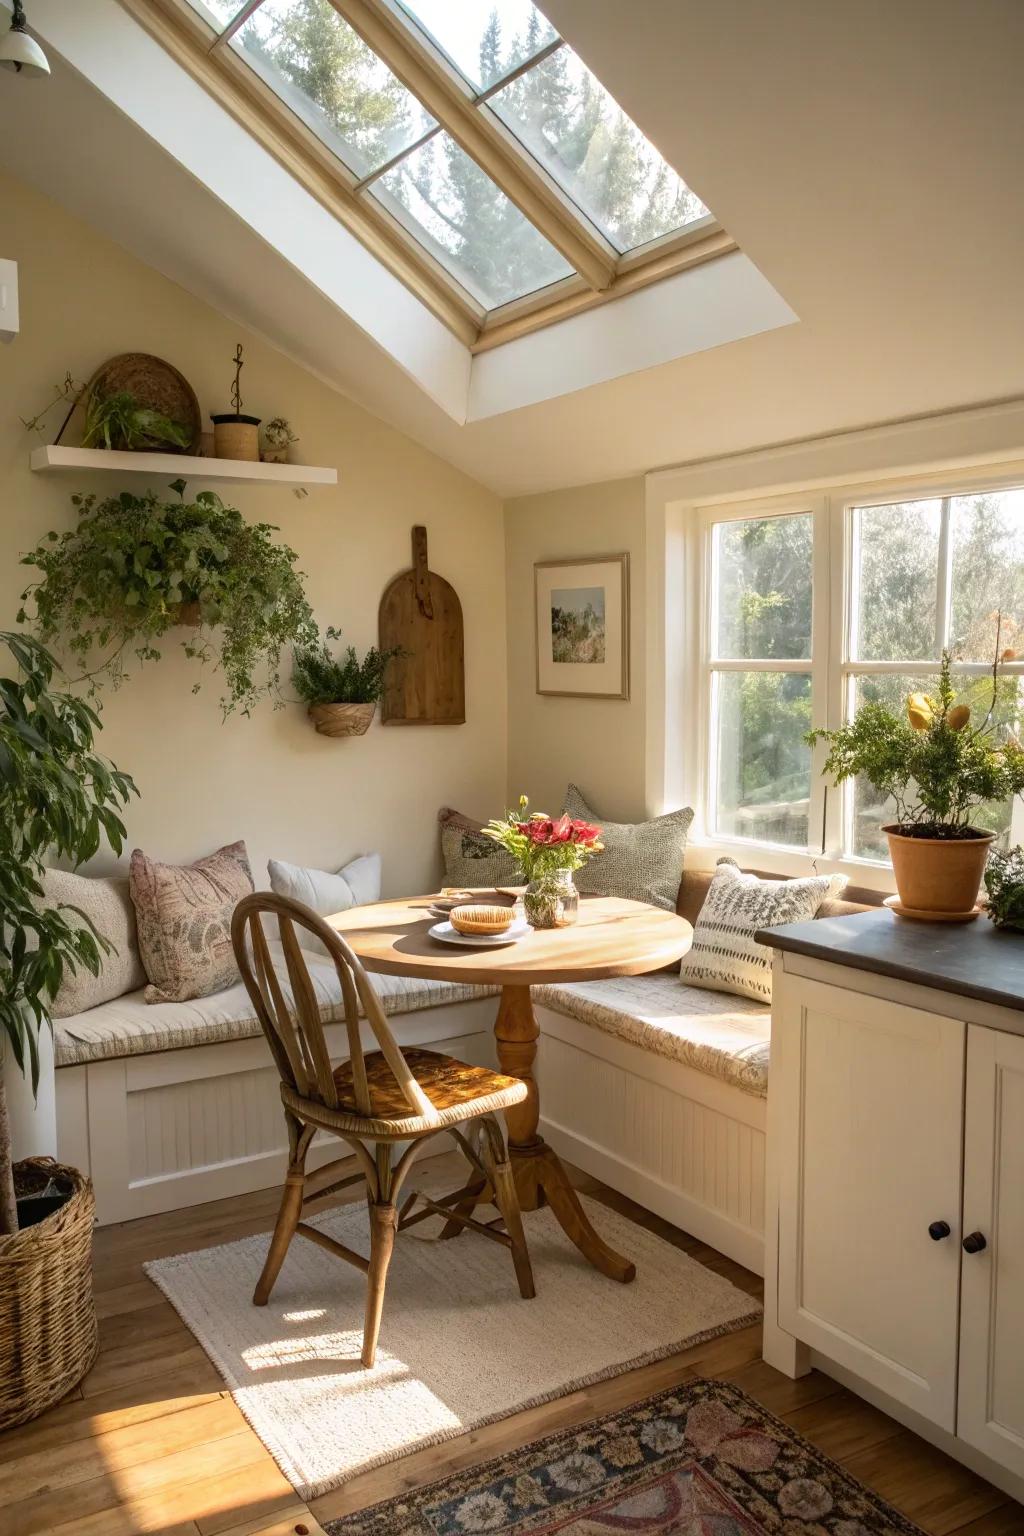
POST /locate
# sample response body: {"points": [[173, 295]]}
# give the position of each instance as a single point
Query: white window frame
{"points": [[832, 667]]}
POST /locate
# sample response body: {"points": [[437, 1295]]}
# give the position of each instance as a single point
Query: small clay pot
{"points": [[938, 874], [236, 437]]}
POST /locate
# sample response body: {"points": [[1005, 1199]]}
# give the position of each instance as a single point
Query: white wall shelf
{"points": [[54, 458]]}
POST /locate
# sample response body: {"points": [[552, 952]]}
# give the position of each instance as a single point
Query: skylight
{"points": [[471, 132]]}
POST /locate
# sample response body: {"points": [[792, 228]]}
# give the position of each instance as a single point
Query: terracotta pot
{"points": [[938, 874], [342, 719], [236, 437]]}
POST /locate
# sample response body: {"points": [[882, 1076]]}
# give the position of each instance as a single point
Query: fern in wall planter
{"points": [[135, 567]]}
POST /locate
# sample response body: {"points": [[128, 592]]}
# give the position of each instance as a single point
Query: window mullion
{"points": [[516, 74], [236, 22]]}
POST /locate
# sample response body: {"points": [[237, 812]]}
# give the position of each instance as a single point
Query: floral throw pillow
{"points": [[724, 955], [183, 914]]}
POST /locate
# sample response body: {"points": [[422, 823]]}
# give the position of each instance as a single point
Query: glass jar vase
{"points": [[552, 900]]}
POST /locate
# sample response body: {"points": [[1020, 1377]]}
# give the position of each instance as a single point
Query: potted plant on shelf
{"points": [[1004, 883], [135, 567], [277, 439], [236, 436], [118, 421], [57, 799], [342, 694], [939, 768], [548, 852]]}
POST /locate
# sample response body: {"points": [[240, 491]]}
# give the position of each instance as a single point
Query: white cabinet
{"points": [[897, 1140], [991, 1402], [870, 1159]]}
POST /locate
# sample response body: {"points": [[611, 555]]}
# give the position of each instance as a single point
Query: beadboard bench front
{"points": [[174, 1128]]}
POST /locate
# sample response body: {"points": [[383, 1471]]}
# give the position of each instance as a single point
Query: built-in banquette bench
{"points": [[656, 1087]]}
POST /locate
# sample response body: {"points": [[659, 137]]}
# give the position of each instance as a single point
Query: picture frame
{"points": [[581, 627]]}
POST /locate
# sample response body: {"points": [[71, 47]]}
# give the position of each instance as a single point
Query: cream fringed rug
{"points": [[458, 1347]]}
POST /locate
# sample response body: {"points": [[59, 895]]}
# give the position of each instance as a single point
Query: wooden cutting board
{"points": [[421, 613]]}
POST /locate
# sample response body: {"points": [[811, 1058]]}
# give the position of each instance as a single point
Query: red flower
{"points": [[545, 833]]}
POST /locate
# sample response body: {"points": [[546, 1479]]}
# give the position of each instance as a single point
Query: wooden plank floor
{"points": [[152, 1443]]}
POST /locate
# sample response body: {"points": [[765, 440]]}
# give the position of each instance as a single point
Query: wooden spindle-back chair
{"points": [[371, 1102]]}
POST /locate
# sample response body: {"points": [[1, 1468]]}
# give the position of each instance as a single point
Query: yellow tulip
{"points": [[919, 711], [958, 717]]}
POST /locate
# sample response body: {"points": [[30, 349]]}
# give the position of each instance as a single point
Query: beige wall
{"points": [[596, 743], [270, 779]]}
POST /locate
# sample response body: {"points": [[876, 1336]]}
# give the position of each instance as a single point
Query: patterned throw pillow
{"points": [[353, 886], [184, 919], [724, 956], [641, 860], [470, 859], [107, 905]]}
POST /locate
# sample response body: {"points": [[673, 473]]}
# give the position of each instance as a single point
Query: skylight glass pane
{"points": [[563, 115], [453, 208], [485, 41], [327, 75], [219, 13]]}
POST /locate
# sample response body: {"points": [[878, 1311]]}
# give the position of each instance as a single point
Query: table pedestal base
{"points": [[539, 1175], [541, 1180]]}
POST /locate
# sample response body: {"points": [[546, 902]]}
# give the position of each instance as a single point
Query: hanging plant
{"points": [[135, 567]]}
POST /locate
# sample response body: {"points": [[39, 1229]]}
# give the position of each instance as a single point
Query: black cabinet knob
{"points": [[938, 1230], [974, 1242]]}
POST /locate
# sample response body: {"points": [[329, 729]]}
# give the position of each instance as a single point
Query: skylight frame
{"points": [[600, 273]]}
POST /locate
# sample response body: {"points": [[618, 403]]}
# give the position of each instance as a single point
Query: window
{"points": [[808, 614], [469, 134], [925, 575], [761, 584]]}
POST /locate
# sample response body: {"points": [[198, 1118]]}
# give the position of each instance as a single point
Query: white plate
{"points": [[447, 934]]}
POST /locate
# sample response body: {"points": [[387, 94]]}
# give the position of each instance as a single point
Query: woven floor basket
{"points": [[48, 1337]]}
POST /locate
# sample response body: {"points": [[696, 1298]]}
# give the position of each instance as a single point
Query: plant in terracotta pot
{"points": [[342, 692], [58, 798], [548, 851], [939, 765], [135, 567]]}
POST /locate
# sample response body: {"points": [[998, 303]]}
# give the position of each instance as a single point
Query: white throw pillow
{"points": [[354, 885], [725, 956]]}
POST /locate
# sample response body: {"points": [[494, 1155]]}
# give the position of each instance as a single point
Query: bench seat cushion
{"points": [[726, 1037], [129, 1026]]}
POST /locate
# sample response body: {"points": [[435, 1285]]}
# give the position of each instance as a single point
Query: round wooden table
{"points": [[611, 938]]}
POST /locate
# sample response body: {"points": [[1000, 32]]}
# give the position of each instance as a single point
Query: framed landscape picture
{"points": [[583, 627]]}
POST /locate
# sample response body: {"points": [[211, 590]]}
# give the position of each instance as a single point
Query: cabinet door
{"points": [[870, 1119], [991, 1406]]}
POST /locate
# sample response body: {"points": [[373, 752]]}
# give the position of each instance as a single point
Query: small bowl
{"points": [[480, 919]]}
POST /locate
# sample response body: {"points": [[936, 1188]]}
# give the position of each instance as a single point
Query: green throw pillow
{"points": [[641, 860]]}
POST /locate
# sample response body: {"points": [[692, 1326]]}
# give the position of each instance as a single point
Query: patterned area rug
{"points": [[700, 1460]]}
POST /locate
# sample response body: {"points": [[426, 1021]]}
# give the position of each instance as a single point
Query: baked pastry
{"points": [[478, 919]]}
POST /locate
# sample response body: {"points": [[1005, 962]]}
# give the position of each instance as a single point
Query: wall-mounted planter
{"points": [[342, 719]]}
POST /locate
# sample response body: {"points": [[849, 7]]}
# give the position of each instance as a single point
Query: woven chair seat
{"points": [[457, 1091]]}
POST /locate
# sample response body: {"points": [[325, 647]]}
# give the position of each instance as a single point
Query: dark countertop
{"points": [[972, 959]]}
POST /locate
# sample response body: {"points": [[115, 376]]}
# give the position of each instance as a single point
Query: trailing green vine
{"points": [[135, 567]]}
